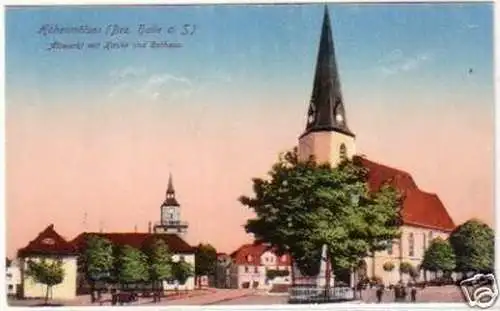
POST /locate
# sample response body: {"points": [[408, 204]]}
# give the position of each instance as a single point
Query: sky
{"points": [[93, 133]]}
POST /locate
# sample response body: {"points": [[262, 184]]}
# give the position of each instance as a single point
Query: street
{"points": [[445, 294]]}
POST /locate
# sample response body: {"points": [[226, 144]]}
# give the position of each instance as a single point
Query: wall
{"points": [[190, 283], [64, 290], [400, 252]]}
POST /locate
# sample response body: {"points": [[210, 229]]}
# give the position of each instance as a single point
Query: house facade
{"points": [[328, 137], [251, 265]]}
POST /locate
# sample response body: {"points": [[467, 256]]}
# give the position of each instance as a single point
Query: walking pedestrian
{"points": [[380, 293], [413, 294]]}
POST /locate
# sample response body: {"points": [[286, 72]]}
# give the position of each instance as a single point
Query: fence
{"points": [[307, 294]]}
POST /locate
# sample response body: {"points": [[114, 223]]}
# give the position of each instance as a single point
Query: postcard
{"points": [[223, 154]]}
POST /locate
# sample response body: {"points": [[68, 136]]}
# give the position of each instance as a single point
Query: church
{"points": [[329, 138]]}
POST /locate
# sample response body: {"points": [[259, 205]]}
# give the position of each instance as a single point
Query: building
{"points": [[252, 264], [328, 138], [49, 245], [13, 278], [170, 214]]}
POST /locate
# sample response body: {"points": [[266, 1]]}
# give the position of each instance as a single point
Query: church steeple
{"points": [[170, 199], [326, 109]]}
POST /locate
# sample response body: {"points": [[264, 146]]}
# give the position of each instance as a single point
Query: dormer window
{"points": [[48, 241], [283, 258], [249, 258]]}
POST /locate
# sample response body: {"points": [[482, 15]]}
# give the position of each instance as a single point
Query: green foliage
{"points": [[439, 256], [159, 260], [98, 258], [474, 245], [272, 274], [182, 270], [405, 267], [48, 272], [388, 266], [302, 206], [414, 273], [205, 259], [132, 266]]}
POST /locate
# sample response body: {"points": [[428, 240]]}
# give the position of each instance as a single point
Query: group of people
{"points": [[400, 292]]}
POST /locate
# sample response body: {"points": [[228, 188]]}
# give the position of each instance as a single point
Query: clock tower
{"points": [[327, 136], [170, 214]]}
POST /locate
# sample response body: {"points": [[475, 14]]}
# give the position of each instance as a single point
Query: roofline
{"points": [[327, 129], [419, 225]]}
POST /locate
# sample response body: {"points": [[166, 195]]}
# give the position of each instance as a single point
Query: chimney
{"points": [[149, 227]]}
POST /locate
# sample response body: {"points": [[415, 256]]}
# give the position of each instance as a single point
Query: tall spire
{"points": [[326, 109], [170, 199]]}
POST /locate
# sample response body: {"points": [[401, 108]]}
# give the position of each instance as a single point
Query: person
{"points": [[413, 294], [397, 292], [404, 293], [380, 292]]}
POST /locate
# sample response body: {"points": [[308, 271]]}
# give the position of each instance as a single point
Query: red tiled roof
{"points": [[249, 254], [420, 208], [137, 240], [48, 242]]}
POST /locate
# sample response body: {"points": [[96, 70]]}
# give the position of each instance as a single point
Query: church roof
{"points": [[48, 242], [137, 240], [420, 208], [326, 109]]}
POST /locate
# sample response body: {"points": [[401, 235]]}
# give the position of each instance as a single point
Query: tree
{"points": [[405, 267], [474, 245], [303, 205], [132, 266], [182, 270], [205, 261], [98, 261], [46, 272], [160, 264], [439, 257], [388, 266]]}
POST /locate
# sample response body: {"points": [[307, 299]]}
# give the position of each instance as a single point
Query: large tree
{"points": [[132, 266], [439, 257], [474, 245], [98, 261], [205, 261], [303, 205], [182, 270], [48, 272], [160, 264]]}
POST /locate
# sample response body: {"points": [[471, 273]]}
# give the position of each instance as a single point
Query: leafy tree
{"points": [[98, 261], [388, 266], [205, 260], [474, 245], [439, 256], [46, 272], [132, 266], [159, 262], [271, 274], [182, 270], [303, 205], [405, 267]]}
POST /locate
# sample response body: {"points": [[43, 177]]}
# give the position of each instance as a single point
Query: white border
{"points": [[346, 306]]}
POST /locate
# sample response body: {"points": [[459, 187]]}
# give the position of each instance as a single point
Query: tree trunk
{"points": [[92, 291], [47, 294], [373, 265], [292, 272]]}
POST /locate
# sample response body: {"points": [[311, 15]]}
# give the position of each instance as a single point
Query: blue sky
{"points": [[252, 44]]}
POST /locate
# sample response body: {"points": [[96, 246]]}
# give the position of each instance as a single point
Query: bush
{"points": [[388, 266], [376, 280], [405, 267]]}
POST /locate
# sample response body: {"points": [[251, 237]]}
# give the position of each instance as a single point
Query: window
{"points": [[283, 258], [431, 237], [256, 269], [11, 287], [343, 152], [389, 248], [411, 245], [424, 242], [246, 269]]}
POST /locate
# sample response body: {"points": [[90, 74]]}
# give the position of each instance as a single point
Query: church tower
{"points": [[170, 219], [327, 136]]}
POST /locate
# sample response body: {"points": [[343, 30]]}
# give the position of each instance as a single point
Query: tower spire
{"points": [[170, 199], [326, 109], [170, 187]]}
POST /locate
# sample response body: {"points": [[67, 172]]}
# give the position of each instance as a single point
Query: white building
{"points": [[13, 278], [251, 266]]}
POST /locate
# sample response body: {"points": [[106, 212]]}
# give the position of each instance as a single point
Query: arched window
{"points": [[411, 245], [343, 152], [431, 237], [389, 248]]}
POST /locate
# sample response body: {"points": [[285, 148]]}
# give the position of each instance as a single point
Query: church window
{"points": [[343, 152], [431, 237], [246, 269], [389, 248], [411, 245], [425, 242], [256, 269]]}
